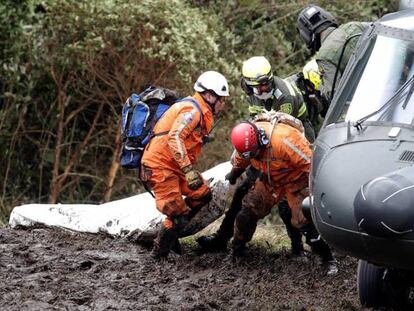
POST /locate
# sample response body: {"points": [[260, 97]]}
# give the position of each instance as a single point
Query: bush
{"points": [[67, 66]]}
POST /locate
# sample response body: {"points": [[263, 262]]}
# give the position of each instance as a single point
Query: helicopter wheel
{"points": [[382, 287]]}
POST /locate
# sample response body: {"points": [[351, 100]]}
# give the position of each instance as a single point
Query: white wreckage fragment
{"points": [[222, 195], [135, 217]]}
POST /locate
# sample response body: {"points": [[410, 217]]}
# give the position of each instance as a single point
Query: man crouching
{"points": [[282, 154]]}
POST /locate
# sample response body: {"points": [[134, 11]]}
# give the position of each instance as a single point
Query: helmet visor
{"points": [[263, 79]]}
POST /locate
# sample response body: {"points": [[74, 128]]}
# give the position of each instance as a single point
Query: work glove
{"points": [[195, 205], [233, 175], [193, 177]]}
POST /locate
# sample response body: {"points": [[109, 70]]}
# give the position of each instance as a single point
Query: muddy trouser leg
{"points": [[245, 226], [226, 227], [167, 187], [314, 240], [219, 240], [294, 234]]}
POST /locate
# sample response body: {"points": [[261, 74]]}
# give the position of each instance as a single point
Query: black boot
{"points": [[213, 243], [321, 248], [294, 234], [176, 248], [238, 248], [167, 239], [297, 249], [245, 226], [164, 242], [217, 242]]}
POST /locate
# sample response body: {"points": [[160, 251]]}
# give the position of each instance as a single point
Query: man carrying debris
{"points": [[167, 163], [266, 92], [282, 155]]}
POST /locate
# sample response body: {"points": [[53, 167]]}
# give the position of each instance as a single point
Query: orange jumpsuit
{"points": [[166, 155], [285, 165]]}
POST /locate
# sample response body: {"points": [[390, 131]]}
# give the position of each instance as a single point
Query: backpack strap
{"points": [[195, 103]]}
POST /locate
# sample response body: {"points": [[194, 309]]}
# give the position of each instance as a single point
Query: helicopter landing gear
{"points": [[383, 287]]}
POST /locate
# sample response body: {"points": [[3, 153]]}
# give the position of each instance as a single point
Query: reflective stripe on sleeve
{"points": [[291, 90], [295, 149], [302, 110], [188, 118]]}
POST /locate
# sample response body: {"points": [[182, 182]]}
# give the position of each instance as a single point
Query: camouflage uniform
{"points": [[332, 41]]}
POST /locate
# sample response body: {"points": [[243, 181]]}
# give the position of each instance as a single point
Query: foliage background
{"points": [[67, 66]]}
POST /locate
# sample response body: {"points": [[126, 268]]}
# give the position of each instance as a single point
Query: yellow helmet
{"points": [[312, 73], [257, 70]]}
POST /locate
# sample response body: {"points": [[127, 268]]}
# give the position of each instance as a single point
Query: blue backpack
{"points": [[140, 113]]}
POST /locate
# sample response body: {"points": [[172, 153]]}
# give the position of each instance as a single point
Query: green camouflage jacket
{"points": [[332, 40]]}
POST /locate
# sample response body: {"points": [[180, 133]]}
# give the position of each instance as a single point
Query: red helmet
{"points": [[245, 139]]}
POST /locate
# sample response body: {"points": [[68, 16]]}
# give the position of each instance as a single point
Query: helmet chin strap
{"points": [[316, 42], [211, 104]]}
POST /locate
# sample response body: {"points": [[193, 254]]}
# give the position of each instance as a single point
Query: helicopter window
{"points": [[379, 75]]}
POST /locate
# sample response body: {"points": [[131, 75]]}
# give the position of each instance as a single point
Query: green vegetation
{"points": [[67, 66]]}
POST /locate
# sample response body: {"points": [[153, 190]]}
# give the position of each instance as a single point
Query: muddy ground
{"points": [[50, 269]]}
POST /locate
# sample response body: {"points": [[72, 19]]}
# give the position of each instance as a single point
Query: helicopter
{"points": [[362, 173]]}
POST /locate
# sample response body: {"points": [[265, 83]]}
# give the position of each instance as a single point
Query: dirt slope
{"points": [[46, 269]]}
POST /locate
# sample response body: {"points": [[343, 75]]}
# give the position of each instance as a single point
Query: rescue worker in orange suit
{"points": [[266, 92], [167, 163], [282, 154]]}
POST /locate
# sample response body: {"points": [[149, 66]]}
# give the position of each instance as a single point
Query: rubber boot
{"points": [[245, 226], [213, 243], [294, 234], [164, 242], [321, 248], [217, 242], [167, 238], [176, 248]]}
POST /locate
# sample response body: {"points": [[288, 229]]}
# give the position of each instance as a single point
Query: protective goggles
{"points": [[250, 154], [262, 88]]}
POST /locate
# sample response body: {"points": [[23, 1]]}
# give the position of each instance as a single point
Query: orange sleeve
{"points": [[295, 149], [187, 120]]}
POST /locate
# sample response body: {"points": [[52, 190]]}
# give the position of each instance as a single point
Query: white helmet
{"points": [[212, 81]]}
